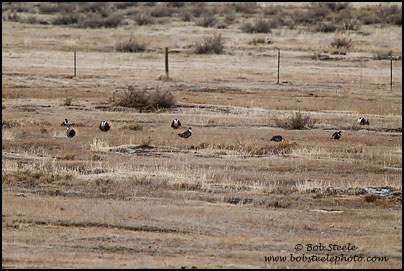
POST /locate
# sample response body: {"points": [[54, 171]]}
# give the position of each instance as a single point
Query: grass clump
{"points": [[341, 45], [132, 46], [297, 121], [214, 44], [145, 100]]}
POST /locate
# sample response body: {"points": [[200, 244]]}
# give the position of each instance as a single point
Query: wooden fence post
{"points": [[279, 59], [74, 62], [166, 62], [391, 72]]}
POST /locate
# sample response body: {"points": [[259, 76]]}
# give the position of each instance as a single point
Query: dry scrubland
{"points": [[140, 196]]}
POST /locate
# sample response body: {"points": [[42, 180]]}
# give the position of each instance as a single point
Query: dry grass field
{"points": [[139, 196]]}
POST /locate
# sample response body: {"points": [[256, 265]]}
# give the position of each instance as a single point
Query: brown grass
{"points": [[140, 196]]}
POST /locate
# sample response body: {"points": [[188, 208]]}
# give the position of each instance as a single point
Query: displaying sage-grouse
{"points": [[336, 135], [277, 138], [176, 124], [186, 134], [363, 121], [104, 126], [65, 123], [70, 132]]}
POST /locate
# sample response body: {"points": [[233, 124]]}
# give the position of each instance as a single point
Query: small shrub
{"points": [[135, 126], [46, 8], [32, 20], [260, 26], [297, 121], [198, 8], [247, 27], [161, 11], [143, 19], [186, 16], [207, 20], [145, 100], [97, 20], [68, 101], [214, 44], [229, 17], [256, 41], [325, 27], [66, 19], [341, 45], [246, 7], [132, 45]]}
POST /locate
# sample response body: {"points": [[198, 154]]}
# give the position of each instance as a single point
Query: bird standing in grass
{"points": [[70, 132], [363, 121], [336, 135], [65, 123], [186, 134], [277, 138], [104, 126], [176, 124]]}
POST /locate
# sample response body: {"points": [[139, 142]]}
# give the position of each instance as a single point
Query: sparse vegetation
{"points": [[210, 45], [260, 26], [227, 191], [132, 45], [145, 100], [341, 45], [296, 121]]}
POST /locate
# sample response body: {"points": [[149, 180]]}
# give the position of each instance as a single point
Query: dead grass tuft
{"points": [[296, 121], [145, 100]]}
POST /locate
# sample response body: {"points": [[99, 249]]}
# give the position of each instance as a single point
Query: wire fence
{"points": [[262, 68]]}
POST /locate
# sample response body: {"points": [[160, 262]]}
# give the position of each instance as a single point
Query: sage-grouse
{"points": [[176, 124], [65, 123], [70, 132], [336, 135], [363, 121], [104, 126], [186, 134], [277, 138]]}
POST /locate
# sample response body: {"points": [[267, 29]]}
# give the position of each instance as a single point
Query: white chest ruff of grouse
{"points": [[104, 126], [363, 121], [186, 134], [176, 124]]}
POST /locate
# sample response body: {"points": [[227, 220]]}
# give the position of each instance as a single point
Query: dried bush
{"points": [[206, 20], [385, 13], [46, 8], [214, 44], [297, 121], [132, 45], [247, 27], [229, 17], [161, 11], [96, 20], [246, 7], [198, 8], [145, 100], [68, 101], [341, 45], [143, 19], [260, 26], [325, 27], [66, 19], [186, 16]]}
